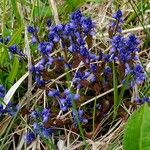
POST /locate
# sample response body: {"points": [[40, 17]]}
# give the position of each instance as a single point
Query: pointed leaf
{"points": [[15, 37], [137, 130], [13, 73], [13, 89]]}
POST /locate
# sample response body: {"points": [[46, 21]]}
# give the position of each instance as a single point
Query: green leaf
{"points": [[44, 11], [137, 130], [15, 37], [96, 1], [72, 5], [16, 11], [14, 71]]}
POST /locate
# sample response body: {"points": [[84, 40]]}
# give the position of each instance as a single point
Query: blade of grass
{"points": [[133, 15], [13, 73], [137, 15], [2, 50], [7, 131], [124, 87], [16, 11], [32, 12], [94, 112], [72, 5], [15, 37], [116, 100]]}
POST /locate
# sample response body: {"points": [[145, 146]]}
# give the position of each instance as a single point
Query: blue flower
{"points": [[40, 117], [53, 93], [117, 15], [37, 70], [118, 42], [78, 74], [32, 29], [11, 109], [79, 115], [107, 70], [48, 22], [2, 91], [81, 41], [39, 81], [107, 58], [139, 75], [30, 137], [86, 74], [123, 49], [93, 68], [2, 111], [66, 91], [76, 97], [13, 49], [45, 48], [46, 132], [94, 57], [117, 24], [76, 16], [34, 40], [84, 51], [1, 40], [7, 39], [127, 69], [142, 100], [137, 72], [132, 43], [145, 100], [87, 25], [45, 114], [64, 108], [36, 127], [34, 114], [73, 48], [49, 62]]}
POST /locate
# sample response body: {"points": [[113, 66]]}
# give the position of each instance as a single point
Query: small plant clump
{"points": [[70, 73]]}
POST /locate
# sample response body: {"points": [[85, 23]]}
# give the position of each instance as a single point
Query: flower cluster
{"points": [[78, 116], [117, 24], [142, 100], [75, 38], [5, 40], [30, 137], [13, 49], [87, 75], [138, 74], [72, 36], [33, 32], [124, 50], [10, 109], [39, 118], [65, 99]]}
